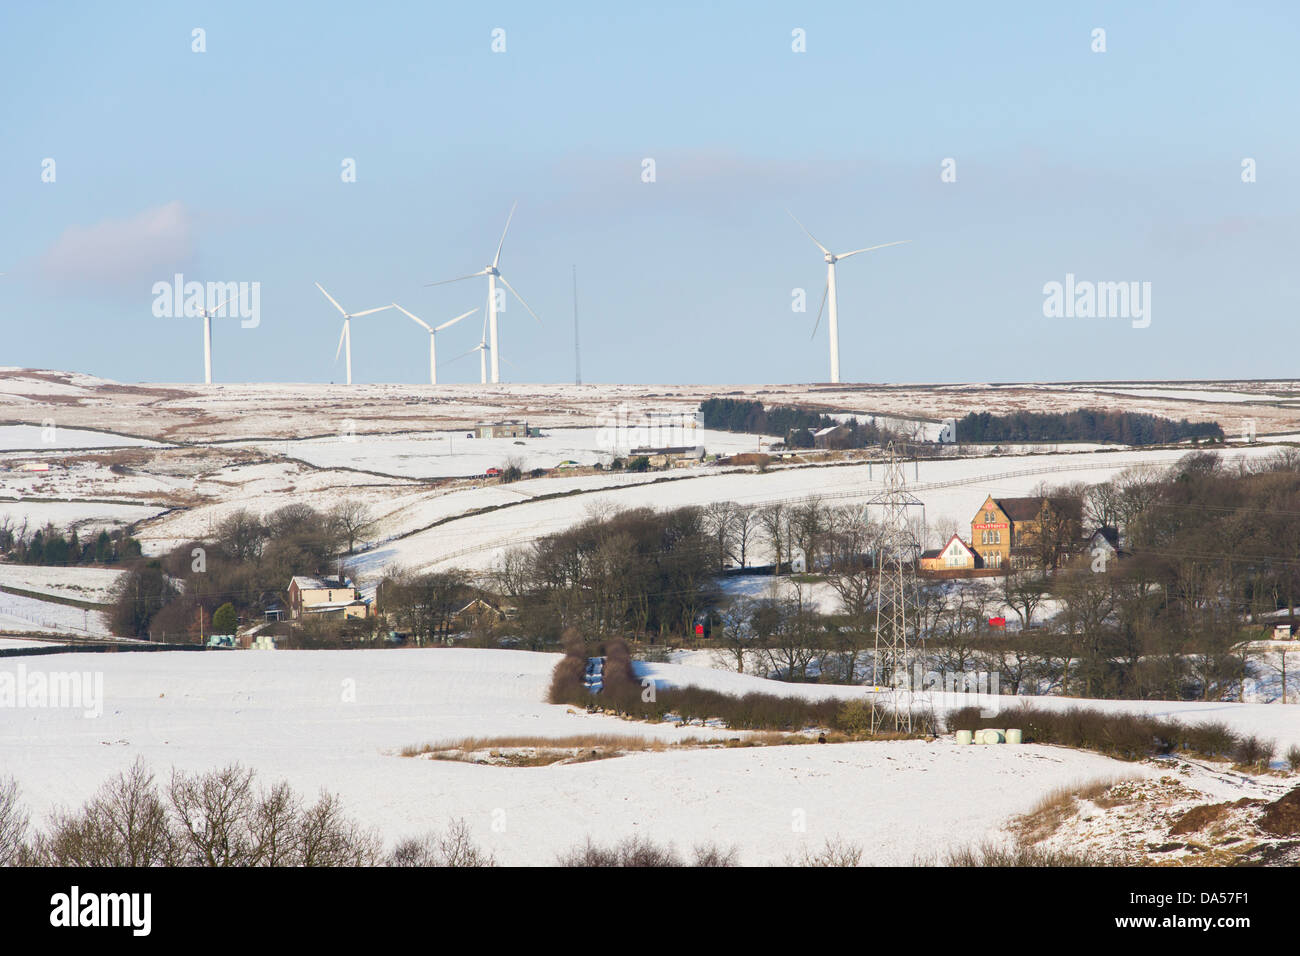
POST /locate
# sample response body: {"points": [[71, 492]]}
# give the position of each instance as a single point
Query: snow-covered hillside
{"points": [[951, 490], [288, 715]]}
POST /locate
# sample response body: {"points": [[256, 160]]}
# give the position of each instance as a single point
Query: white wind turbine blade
{"points": [[497, 258], [213, 310], [872, 248], [382, 308], [476, 348], [520, 298], [339, 351], [331, 298], [472, 275], [809, 234], [451, 322], [826, 288], [410, 316]]}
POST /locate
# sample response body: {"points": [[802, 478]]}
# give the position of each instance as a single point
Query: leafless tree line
{"points": [[215, 819]]}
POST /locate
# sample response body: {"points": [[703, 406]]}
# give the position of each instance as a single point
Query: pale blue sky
{"points": [[1116, 166]]}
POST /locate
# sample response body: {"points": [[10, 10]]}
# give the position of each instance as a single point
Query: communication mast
{"points": [[898, 605], [577, 354]]}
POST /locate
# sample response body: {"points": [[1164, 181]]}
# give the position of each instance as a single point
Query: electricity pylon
{"points": [[898, 603]]}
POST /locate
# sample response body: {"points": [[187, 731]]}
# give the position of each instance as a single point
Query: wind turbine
{"points": [[481, 349], [433, 335], [207, 338], [833, 319], [346, 335], [493, 273]]}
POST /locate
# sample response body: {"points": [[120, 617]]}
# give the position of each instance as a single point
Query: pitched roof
{"points": [[309, 582], [1110, 534], [959, 539], [936, 552], [1027, 509]]}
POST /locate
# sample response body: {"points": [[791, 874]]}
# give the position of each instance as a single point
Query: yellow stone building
{"points": [[1020, 532]]}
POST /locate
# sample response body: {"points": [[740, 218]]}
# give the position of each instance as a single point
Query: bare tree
{"points": [[738, 635], [787, 630], [744, 529], [719, 521], [125, 824], [809, 524], [327, 838], [773, 520], [273, 826], [13, 824], [1024, 592], [242, 535], [352, 518], [214, 811]]}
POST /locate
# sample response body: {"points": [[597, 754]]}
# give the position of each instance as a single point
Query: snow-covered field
{"points": [[11, 643], [225, 447], [285, 714], [276, 411], [82, 584], [39, 438], [288, 715], [86, 516], [451, 454], [19, 614], [1273, 721]]}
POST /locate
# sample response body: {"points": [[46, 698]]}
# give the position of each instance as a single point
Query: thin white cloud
{"points": [[126, 253]]}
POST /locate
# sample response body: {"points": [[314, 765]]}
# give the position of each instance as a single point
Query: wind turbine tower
{"points": [[493, 273], [829, 295], [207, 315], [433, 336], [345, 337]]}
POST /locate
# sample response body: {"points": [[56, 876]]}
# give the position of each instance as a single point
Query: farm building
{"points": [[511, 429], [325, 596], [833, 437], [659, 457], [479, 612]]}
